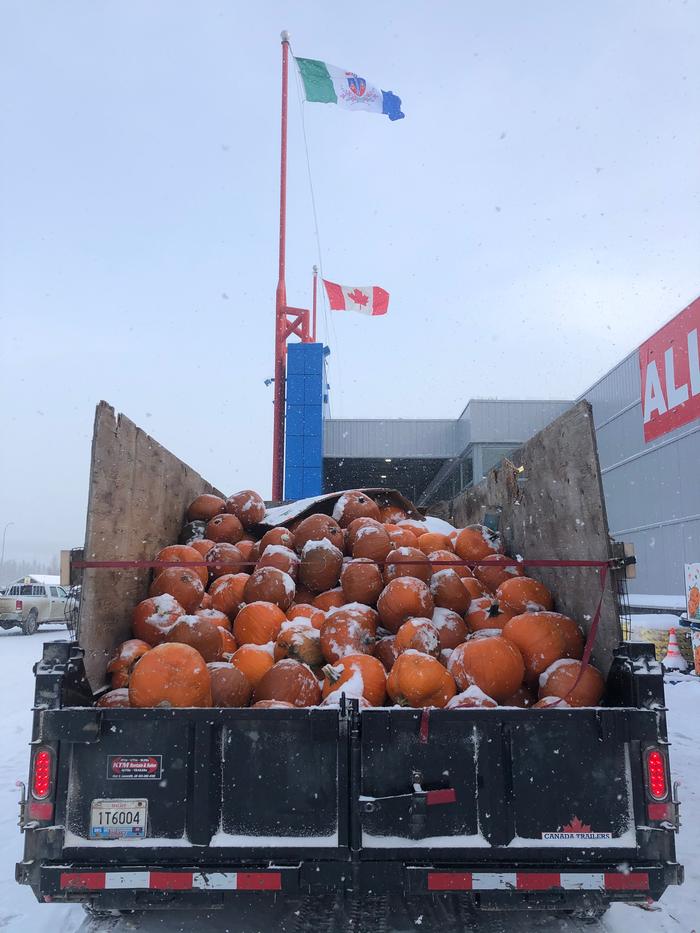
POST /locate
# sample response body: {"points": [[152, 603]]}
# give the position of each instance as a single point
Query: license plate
{"points": [[118, 819]]}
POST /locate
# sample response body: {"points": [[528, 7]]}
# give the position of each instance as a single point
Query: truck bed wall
{"points": [[557, 510], [138, 494]]}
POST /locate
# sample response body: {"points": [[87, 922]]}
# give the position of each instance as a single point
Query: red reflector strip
{"points": [[660, 811], [259, 881], [634, 881], [83, 881], [170, 881], [449, 881], [448, 795], [39, 811], [537, 882]]}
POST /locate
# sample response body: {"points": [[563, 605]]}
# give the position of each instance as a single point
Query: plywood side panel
{"points": [[137, 499]]}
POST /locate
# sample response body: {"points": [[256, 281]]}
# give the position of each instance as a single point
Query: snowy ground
{"points": [[679, 911]]}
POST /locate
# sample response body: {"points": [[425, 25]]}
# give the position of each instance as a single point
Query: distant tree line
{"points": [[13, 569]]}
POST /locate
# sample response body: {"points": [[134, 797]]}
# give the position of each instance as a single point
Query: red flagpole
{"points": [[281, 298]]}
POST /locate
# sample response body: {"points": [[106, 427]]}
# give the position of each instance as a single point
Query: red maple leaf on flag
{"points": [[576, 826], [358, 297]]}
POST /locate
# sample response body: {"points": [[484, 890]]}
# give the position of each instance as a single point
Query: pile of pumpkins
{"points": [[365, 602]]}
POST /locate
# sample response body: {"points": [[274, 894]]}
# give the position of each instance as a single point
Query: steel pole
{"points": [[313, 306], [281, 297], [2, 555]]}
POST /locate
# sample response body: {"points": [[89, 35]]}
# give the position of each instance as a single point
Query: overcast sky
{"points": [[534, 217]]}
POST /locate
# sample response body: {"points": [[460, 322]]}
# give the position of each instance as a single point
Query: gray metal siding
{"points": [[390, 438], [510, 421]]}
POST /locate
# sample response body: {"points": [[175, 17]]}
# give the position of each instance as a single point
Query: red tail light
{"points": [[657, 783], [18, 604], [42, 770]]}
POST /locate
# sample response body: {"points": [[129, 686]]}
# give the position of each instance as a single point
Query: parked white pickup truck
{"points": [[30, 601]]}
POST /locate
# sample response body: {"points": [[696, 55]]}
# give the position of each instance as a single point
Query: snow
{"points": [[438, 525], [661, 621]]}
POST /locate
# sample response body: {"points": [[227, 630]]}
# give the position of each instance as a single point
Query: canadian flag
{"points": [[367, 299]]}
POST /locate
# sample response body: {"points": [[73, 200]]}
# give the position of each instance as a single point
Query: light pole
{"points": [[2, 556]]}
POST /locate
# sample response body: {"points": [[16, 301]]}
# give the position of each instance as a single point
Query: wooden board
{"points": [[554, 509], [138, 495]]}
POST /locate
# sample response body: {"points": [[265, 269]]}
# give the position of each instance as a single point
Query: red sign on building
{"points": [[669, 365]]}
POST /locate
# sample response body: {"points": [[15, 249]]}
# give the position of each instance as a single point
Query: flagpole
{"points": [[281, 297], [313, 305]]}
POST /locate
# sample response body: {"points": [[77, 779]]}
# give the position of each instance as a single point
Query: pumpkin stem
{"points": [[332, 674]]}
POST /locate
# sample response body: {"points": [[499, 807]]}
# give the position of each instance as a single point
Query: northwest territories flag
{"points": [[367, 299], [326, 84]]}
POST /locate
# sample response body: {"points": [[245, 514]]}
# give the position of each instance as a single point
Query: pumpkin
{"points": [[316, 528], [246, 547], [574, 639], [356, 675], [272, 704], [475, 542], [281, 537], [321, 563], [227, 593], [420, 635], [205, 603], [523, 594], [386, 652], [184, 585], [224, 559], [401, 537], [448, 591], [301, 642], [539, 641], [365, 615], [270, 585], [551, 703], [224, 529], [281, 557], [471, 698], [303, 612], [204, 508], [259, 623], [474, 588], [354, 527], [170, 675], [343, 635], [391, 514], [303, 596], [202, 546], [402, 599], [331, 599], [419, 680], [373, 542], [253, 660], [431, 541], [407, 562], [291, 682], [354, 504], [114, 698], [567, 679], [248, 507], [448, 560], [494, 664], [198, 633], [496, 570], [486, 613], [181, 554], [229, 645], [122, 663], [361, 581], [523, 697], [451, 628], [415, 527], [216, 616], [229, 685], [152, 618]]}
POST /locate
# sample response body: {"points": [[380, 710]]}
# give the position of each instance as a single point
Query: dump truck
{"points": [[336, 818]]}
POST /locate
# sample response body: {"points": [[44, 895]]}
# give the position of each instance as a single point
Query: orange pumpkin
{"points": [[551, 703], [254, 661], [475, 589], [184, 585], [352, 505], [202, 546], [258, 623], [574, 639], [486, 613], [523, 594], [576, 685], [280, 537], [216, 616], [523, 697], [170, 675], [402, 599], [303, 612], [204, 508], [224, 529], [391, 514], [301, 642], [344, 635], [356, 675], [267, 584], [181, 554], [354, 527], [246, 548], [361, 581], [419, 635], [281, 558], [291, 682], [448, 591], [386, 652], [248, 507], [538, 640], [227, 593], [407, 562], [475, 542], [198, 633], [415, 527], [331, 599], [152, 618], [229, 686], [494, 664], [321, 563], [122, 663], [496, 570], [419, 680], [316, 528], [114, 698], [372, 542], [431, 541], [472, 698], [451, 628], [272, 704], [448, 560], [401, 537], [365, 615], [224, 559], [229, 645]]}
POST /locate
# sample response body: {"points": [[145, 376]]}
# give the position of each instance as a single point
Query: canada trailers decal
{"points": [[669, 366]]}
